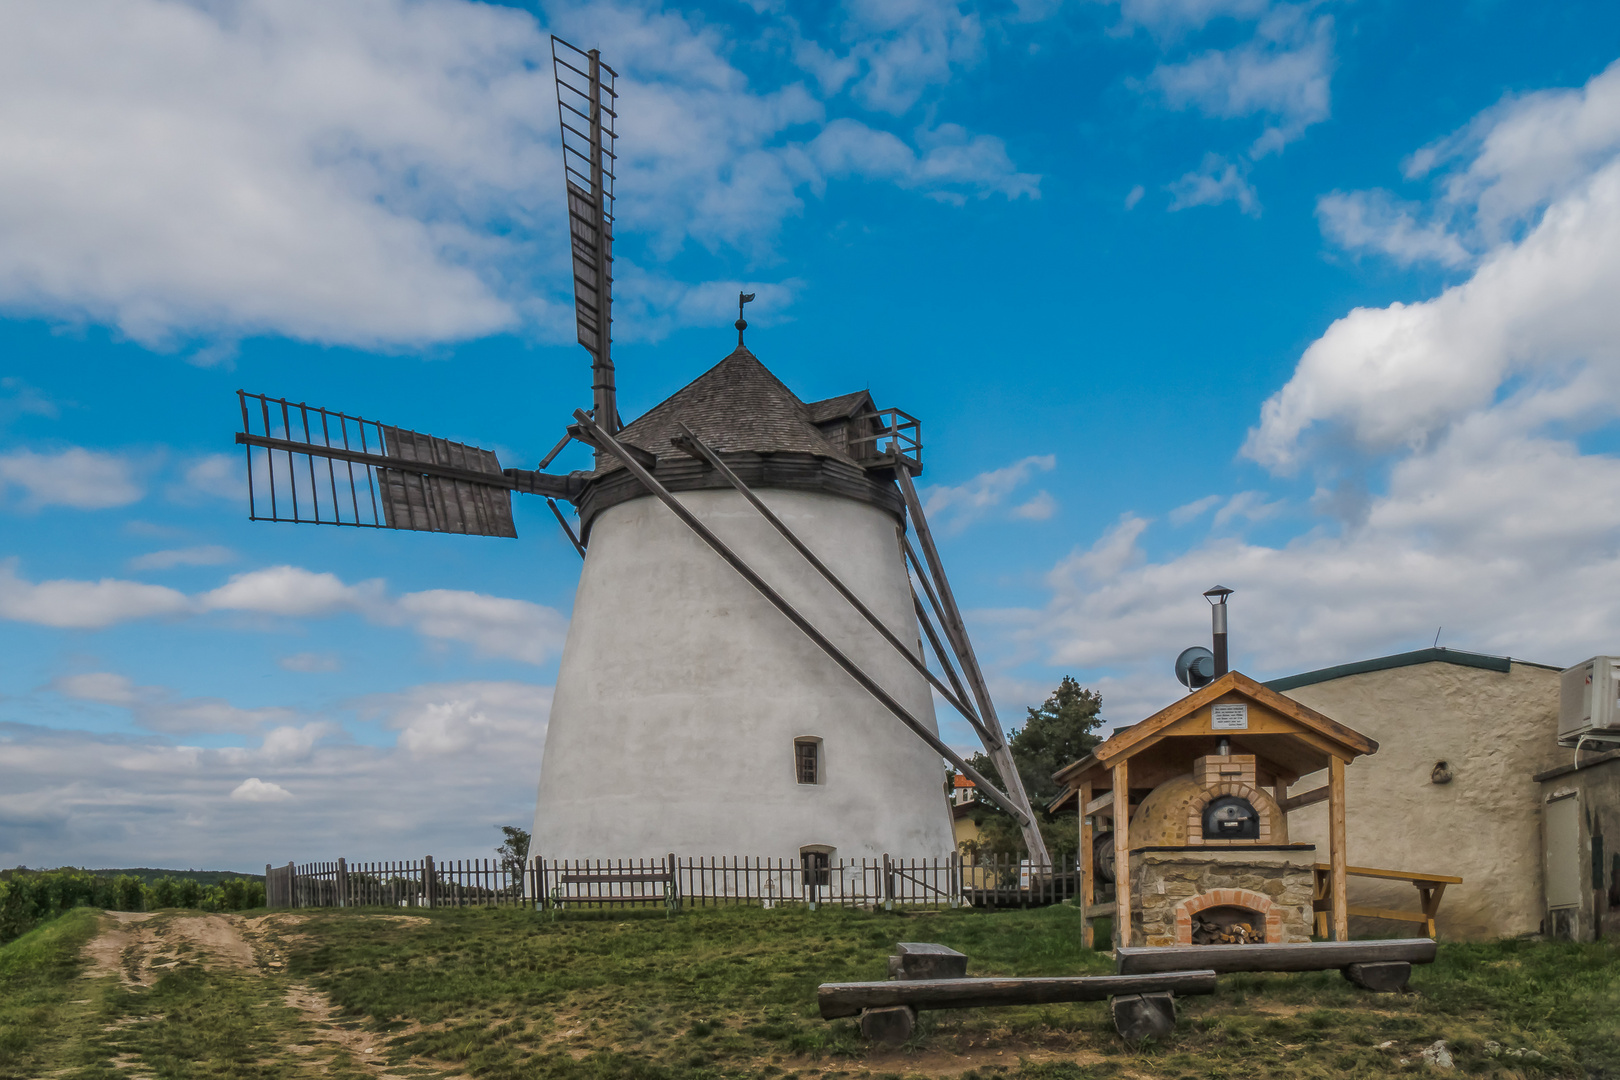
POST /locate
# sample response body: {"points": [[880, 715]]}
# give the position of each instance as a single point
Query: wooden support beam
{"points": [[848, 999], [1338, 857], [956, 633], [1289, 803], [1101, 802], [1308, 956], [1122, 857], [854, 670], [1088, 882]]}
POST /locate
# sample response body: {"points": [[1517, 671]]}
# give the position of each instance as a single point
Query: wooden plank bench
{"points": [[1374, 965], [615, 877], [929, 976], [1430, 888]]}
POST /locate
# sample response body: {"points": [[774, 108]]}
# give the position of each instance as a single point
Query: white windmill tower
{"points": [[743, 672]]}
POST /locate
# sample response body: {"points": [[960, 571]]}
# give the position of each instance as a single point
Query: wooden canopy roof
{"points": [[1287, 739]]}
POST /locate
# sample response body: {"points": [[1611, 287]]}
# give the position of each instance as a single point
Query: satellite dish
{"points": [[1195, 667]]}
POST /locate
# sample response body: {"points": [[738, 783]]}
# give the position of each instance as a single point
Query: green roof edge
{"points": [[1406, 659]]}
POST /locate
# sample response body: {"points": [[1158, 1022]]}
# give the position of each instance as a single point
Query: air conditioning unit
{"points": [[1589, 702]]}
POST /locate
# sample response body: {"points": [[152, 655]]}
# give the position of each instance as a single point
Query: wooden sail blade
{"points": [[586, 115], [314, 466]]}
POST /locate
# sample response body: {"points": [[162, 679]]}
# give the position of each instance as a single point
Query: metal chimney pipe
{"points": [[1217, 619]]}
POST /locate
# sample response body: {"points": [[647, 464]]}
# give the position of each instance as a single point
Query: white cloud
{"points": [[255, 790], [201, 555], [1376, 221], [92, 799], [157, 708], [224, 476], [908, 46], [1541, 308], [310, 662], [492, 625], [1452, 489], [18, 398], [448, 719], [1249, 506], [1134, 196], [1215, 181], [366, 173], [953, 165], [99, 686], [76, 477], [291, 591], [1283, 73], [1171, 16], [1039, 508], [1527, 152], [84, 605], [1181, 515], [953, 509]]}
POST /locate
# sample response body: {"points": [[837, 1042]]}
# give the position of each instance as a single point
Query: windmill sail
{"points": [[585, 109], [318, 467]]}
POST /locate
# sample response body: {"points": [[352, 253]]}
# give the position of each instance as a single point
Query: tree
{"points": [[1061, 731], [514, 852]]}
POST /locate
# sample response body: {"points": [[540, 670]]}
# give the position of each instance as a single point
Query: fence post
{"points": [[888, 883], [674, 885], [292, 885], [343, 883], [429, 885]]}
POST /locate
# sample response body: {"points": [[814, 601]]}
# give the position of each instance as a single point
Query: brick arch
{"points": [[1270, 813], [1258, 903]]}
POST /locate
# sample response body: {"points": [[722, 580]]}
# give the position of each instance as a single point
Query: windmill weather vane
{"points": [[671, 658], [742, 323]]}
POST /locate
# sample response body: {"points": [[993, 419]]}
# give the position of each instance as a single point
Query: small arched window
{"points": [[816, 862], [807, 763]]}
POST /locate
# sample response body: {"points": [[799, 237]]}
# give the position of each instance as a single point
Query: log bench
{"points": [[924, 977], [1383, 965]]}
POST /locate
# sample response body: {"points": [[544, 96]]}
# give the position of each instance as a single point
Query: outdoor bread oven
{"points": [[1192, 804]]}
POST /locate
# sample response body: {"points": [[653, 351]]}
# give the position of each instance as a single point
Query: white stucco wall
{"points": [[681, 690], [1495, 730]]}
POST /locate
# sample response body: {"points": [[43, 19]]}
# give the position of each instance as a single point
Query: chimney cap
{"points": [[1218, 594]]}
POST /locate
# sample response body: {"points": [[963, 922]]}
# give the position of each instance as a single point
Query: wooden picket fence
{"points": [[671, 881]]}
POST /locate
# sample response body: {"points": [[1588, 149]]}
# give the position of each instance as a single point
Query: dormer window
{"points": [[807, 760]]}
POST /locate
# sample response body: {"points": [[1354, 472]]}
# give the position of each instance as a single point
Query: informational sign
{"points": [[1230, 718]]}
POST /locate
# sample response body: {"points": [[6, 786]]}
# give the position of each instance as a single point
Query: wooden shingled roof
{"points": [[739, 406], [1291, 738]]}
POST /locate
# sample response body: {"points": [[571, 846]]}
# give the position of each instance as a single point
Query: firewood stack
{"points": [[1237, 933]]}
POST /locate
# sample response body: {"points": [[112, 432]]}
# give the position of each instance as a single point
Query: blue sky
{"points": [[1311, 300]]}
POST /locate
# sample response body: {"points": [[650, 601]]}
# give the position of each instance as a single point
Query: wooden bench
{"points": [[615, 877], [928, 976], [1430, 887], [1373, 965]]}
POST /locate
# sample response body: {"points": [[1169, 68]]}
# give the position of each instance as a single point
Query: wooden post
{"points": [[428, 882], [1337, 856], [1122, 854], [1086, 868], [343, 883]]}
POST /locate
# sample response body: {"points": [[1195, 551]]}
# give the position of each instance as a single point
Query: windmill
{"points": [[744, 671]]}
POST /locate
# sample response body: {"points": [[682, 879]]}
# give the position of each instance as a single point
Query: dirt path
{"points": [[137, 948]]}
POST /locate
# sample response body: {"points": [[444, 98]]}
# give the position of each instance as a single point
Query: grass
{"points": [[722, 993]]}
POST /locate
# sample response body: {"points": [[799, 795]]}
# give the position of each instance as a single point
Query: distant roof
{"points": [[962, 782], [738, 406], [1406, 659]]}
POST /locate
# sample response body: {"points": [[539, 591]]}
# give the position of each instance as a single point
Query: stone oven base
{"points": [[1172, 887]]}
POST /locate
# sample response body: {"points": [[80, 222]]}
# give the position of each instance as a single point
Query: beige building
{"points": [[1451, 789]]}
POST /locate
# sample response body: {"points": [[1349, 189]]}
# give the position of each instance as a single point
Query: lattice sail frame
{"points": [[411, 481], [586, 97]]}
